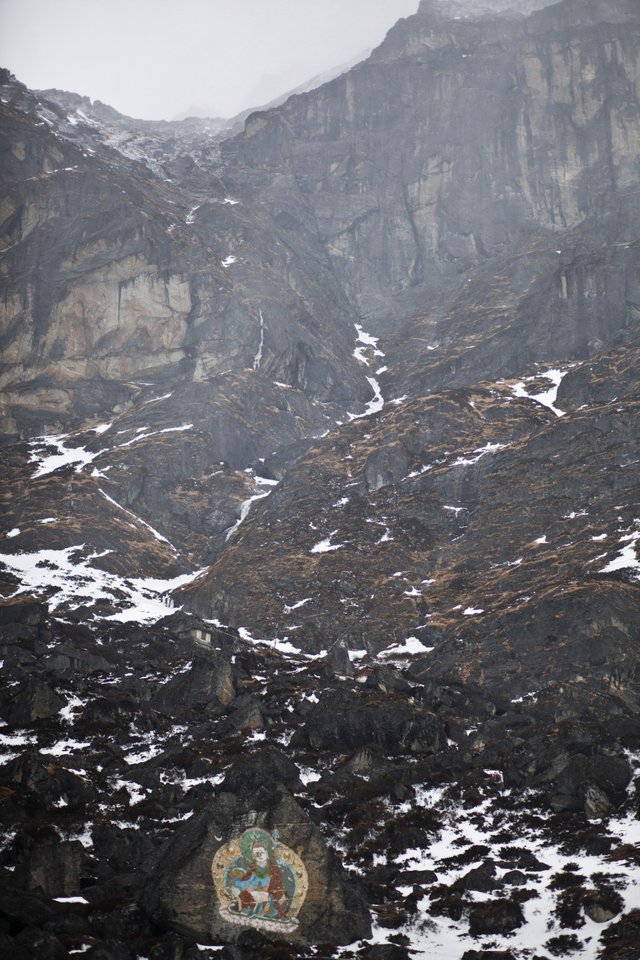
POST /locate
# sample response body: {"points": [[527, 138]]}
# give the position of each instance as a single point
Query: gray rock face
{"points": [[183, 895], [98, 292], [460, 117]]}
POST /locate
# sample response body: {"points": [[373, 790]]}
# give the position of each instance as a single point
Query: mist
{"points": [[158, 59], [478, 7]]}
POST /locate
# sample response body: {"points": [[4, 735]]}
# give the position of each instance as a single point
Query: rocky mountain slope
{"points": [[320, 510]]}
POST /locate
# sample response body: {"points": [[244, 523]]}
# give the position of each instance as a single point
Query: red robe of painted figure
{"points": [[276, 905]]}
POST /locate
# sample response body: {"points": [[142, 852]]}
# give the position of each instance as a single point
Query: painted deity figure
{"points": [[258, 885]]}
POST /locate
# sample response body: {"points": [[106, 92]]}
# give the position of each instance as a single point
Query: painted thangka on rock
{"points": [[260, 882]]}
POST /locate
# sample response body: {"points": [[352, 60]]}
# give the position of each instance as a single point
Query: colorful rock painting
{"points": [[260, 882]]}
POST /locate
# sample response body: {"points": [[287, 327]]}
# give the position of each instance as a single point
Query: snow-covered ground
{"points": [[431, 936], [69, 577]]}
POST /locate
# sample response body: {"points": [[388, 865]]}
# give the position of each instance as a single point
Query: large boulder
{"points": [[254, 861], [206, 687], [594, 783], [31, 701]]}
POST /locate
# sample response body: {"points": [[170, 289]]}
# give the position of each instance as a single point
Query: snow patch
{"points": [[412, 646], [627, 559], [548, 397], [245, 507], [478, 454], [366, 340], [296, 606], [64, 456], [142, 435], [325, 546]]}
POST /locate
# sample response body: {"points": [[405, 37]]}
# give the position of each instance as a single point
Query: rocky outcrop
{"points": [[184, 895], [391, 723]]}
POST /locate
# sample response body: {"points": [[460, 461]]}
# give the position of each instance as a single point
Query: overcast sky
{"points": [[158, 59]]}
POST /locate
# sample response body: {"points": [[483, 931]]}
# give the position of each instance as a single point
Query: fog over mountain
{"points": [[157, 59], [482, 7]]}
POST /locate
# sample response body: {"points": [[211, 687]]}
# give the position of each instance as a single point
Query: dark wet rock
{"points": [[602, 905], [516, 878], [446, 903], [21, 910], [32, 942], [263, 768], [105, 897], [72, 924], [522, 858], [115, 709], [386, 951], [207, 686], [31, 613], [482, 878], [369, 761], [253, 946], [594, 783], [110, 950], [621, 940], [495, 916], [422, 877], [597, 804], [171, 947], [488, 955], [53, 869], [354, 722], [339, 660], [180, 894], [31, 701], [247, 714], [388, 679], [67, 660], [121, 851], [31, 775]]}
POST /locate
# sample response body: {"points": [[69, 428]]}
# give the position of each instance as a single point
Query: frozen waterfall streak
{"points": [[155, 534], [191, 216], [369, 345], [257, 360], [246, 505]]}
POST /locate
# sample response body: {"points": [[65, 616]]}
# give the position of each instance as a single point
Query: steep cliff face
{"points": [[454, 143], [112, 276]]}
